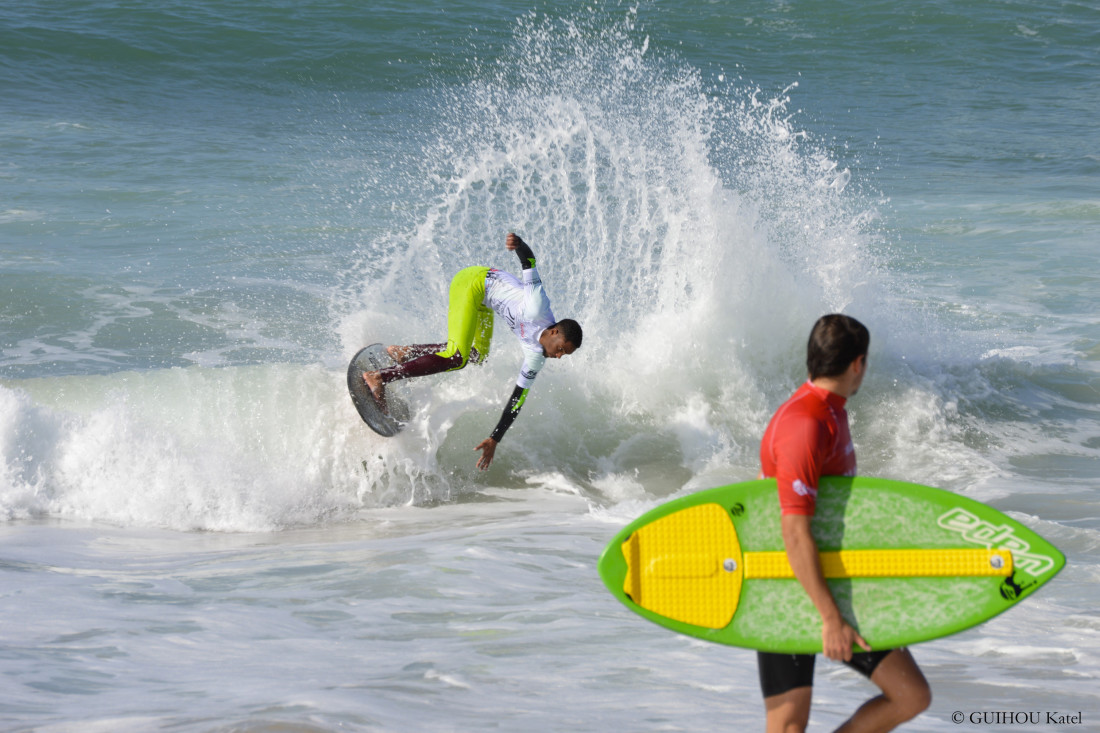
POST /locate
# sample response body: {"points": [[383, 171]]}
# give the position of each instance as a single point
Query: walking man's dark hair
{"points": [[835, 342]]}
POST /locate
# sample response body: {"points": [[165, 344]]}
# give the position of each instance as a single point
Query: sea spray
{"points": [[687, 224]]}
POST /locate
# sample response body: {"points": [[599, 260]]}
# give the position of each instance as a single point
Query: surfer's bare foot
{"points": [[399, 354], [377, 388]]}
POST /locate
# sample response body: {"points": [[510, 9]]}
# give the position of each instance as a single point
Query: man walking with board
{"points": [[808, 438], [477, 293]]}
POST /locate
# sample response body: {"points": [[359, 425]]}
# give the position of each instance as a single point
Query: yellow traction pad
{"points": [[688, 565], [676, 566]]}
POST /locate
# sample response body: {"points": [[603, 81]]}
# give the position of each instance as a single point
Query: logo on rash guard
{"points": [[527, 374], [803, 490]]}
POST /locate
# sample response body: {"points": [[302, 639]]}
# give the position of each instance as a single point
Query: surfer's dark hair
{"points": [[571, 330], [835, 342]]}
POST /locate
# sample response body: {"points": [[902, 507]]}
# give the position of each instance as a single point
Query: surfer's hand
{"points": [[837, 639], [487, 447], [512, 241]]}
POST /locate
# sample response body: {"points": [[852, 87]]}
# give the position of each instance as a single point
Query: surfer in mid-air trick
{"points": [[476, 293], [808, 438]]}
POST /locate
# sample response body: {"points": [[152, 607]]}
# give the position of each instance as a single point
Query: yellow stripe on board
{"points": [[888, 564]]}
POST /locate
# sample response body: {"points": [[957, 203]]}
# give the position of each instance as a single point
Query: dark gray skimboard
{"points": [[372, 358]]}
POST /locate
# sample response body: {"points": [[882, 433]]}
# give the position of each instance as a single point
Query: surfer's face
{"points": [[554, 345]]}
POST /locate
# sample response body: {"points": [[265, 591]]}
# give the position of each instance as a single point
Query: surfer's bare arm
{"points": [[837, 635], [521, 248]]}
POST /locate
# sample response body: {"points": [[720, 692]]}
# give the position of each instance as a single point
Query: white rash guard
{"points": [[526, 309]]}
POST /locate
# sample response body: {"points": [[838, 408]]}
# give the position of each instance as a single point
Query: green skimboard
{"points": [[906, 563]]}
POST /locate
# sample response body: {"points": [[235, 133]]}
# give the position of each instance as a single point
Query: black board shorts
{"points": [[781, 673]]}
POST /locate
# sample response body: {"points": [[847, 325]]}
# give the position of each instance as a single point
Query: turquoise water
{"points": [[206, 208]]}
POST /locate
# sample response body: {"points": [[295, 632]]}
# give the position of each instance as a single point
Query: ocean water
{"points": [[207, 207]]}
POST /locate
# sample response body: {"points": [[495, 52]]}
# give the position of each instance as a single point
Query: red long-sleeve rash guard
{"points": [[807, 438]]}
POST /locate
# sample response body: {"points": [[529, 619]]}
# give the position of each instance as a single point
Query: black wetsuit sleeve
{"points": [[519, 394], [526, 256]]}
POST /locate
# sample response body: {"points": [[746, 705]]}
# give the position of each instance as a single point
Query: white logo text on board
{"points": [[980, 532]]}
